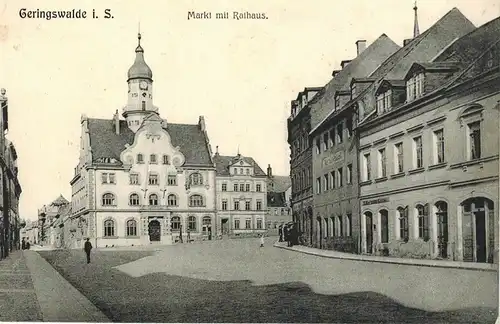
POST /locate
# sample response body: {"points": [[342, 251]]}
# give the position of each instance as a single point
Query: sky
{"points": [[239, 74]]}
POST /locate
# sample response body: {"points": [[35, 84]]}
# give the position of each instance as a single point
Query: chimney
{"points": [[269, 171], [335, 72], [344, 63], [116, 117], [406, 41], [201, 123], [361, 45]]}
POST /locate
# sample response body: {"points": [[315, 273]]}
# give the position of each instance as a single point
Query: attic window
{"points": [[353, 91], [384, 102], [415, 87], [337, 101]]}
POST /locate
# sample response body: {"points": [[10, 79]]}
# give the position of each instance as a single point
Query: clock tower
{"points": [[140, 91]]}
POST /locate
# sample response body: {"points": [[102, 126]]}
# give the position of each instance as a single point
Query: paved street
{"points": [[236, 281]]}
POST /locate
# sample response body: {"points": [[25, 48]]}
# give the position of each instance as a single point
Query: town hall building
{"points": [[141, 180]]}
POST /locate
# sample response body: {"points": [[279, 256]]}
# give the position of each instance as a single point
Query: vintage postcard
{"points": [[271, 161]]}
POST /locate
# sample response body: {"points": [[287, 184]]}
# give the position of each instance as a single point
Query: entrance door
{"points": [[369, 232], [442, 235], [154, 231], [481, 236], [225, 226]]}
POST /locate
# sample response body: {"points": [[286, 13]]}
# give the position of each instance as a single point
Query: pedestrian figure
{"points": [[262, 240], [188, 236], [23, 244], [28, 245], [87, 247], [280, 233]]}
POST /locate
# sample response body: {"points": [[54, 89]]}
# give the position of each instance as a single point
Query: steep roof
{"points": [[222, 163], [105, 143], [471, 45], [59, 201], [361, 66], [276, 199], [280, 183]]}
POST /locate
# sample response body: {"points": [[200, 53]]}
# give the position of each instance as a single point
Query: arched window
{"points": [[131, 228], [109, 228], [196, 201], [403, 223], [341, 225], [134, 200], [172, 200], [192, 223], [140, 158], [108, 199], [384, 226], [423, 221], [153, 200], [196, 179], [175, 223], [442, 228]]}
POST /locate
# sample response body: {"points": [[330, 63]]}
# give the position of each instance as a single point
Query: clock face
{"points": [[143, 85]]}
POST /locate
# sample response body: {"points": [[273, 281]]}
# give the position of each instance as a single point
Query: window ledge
{"points": [[365, 183], [109, 205], [398, 175], [109, 237], [473, 162], [438, 166], [132, 237], [381, 179], [415, 171]]}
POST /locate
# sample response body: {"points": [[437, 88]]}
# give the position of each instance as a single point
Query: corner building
{"points": [[142, 180], [429, 154]]}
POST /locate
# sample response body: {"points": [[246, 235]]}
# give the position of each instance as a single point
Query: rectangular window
{"points": [[332, 180], [418, 158], [104, 178], [248, 223], [259, 205], [172, 180], [382, 163], [410, 89], [259, 223], [318, 185], [236, 205], [340, 176], [318, 145], [242, 187], [235, 187], [439, 146], [224, 205], [134, 179], [247, 205], [325, 182], [367, 165], [153, 179], [140, 158], [423, 221], [236, 224], [340, 133], [349, 174], [143, 105], [419, 85], [474, 140], [258, 187], [398, 150], [112, 178], [166, 160], [152, 159], [224, 187], [326, 141], [247, 187]]}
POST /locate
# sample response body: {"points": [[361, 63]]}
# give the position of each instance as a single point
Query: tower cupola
{"points": [[139, 70]]}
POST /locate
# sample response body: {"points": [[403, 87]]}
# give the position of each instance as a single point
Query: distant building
{"points": [[279, 211], [142, 180], [50, 219], [241, 195]]}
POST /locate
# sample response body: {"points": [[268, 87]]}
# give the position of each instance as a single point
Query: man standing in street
{"points": [[87, 247]]}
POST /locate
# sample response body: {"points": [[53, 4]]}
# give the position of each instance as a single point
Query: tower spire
{"points": [[416, 30]]}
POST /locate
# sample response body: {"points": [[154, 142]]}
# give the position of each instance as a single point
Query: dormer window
{"points": [[384, 102], [337, 101], [353, 91], [415, 87]]}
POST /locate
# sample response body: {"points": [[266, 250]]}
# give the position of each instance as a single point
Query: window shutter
{"points": [[426, 221]]}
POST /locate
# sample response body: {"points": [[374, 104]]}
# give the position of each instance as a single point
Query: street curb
{"points": [[413, 262]]}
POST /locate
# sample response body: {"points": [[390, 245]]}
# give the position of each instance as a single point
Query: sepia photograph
{"points": [[250, 161]]}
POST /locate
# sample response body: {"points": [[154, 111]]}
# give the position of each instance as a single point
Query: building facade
{"points": [[299, 126], [429, 155], [334, 156], [142, 180], [241, 191], [10, 189], [51, 217], [279, 211]]}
